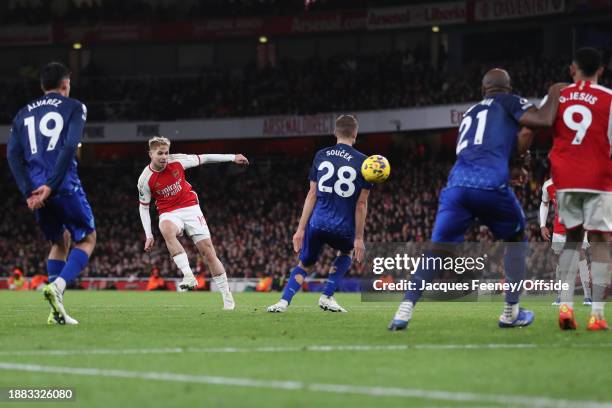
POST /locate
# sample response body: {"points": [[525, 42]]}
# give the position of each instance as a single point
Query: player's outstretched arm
{"points": [[193, 160], [545, 116], [361, 210], [221, 158], [309, 203]]}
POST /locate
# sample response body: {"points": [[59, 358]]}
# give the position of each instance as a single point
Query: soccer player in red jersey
{"points": [[549, 194], [163, 180], [582, 171]]}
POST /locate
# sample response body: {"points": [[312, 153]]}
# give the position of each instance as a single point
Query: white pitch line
{"points": [[539, 402], [314, 348]]}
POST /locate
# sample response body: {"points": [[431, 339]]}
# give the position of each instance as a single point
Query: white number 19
{"points": [[43, 127]]}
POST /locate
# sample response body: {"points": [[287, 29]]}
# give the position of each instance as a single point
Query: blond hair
{"points": [[156, 141], [346, 126]]}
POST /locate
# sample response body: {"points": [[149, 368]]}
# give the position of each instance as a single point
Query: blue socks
{"points": [[341, 265], [293, 286], [514, 265], [77, 261], [54, 268], [422, 275]]}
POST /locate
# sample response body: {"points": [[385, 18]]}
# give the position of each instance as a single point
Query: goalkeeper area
{"points": [[156, 349]]}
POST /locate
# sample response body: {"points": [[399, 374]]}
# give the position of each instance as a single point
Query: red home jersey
{"points": [[582, 139], [549, 193], [168, 187]]}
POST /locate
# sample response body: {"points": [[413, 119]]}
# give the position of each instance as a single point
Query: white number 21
{"points": [[466, 123]]}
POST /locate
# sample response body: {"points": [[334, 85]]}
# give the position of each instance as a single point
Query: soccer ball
{"points": [[376, 169]]}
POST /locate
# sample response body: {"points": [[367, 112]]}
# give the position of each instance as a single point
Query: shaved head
{"points": [[495, 81]]}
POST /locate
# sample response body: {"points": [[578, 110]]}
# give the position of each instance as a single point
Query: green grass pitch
{"points": [[179, 349]]}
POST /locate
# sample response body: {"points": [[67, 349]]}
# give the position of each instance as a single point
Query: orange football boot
{"points": [[566, 318], [596, 324]]}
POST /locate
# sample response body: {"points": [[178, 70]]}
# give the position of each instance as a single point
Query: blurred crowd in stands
{"points": [[252, 214], [341, 83]]}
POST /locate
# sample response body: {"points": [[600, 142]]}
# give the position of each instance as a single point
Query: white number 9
{"points": [[579, 127]]}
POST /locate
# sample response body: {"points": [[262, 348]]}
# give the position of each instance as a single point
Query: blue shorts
{"points": [[315, 238], [66, 211], [459, 206]]}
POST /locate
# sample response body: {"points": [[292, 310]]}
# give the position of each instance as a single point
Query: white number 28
{"points": [[346, 177]]}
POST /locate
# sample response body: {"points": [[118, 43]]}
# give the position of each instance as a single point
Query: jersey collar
{"points": [[156, 171]]}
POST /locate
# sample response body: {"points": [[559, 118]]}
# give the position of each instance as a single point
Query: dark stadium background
{"points": [[142, 62]]}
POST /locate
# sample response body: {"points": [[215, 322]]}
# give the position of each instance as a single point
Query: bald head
{"points": [[496, 80]]}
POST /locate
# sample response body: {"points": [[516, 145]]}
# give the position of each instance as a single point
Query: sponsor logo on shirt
{"points": [[171, 190]]}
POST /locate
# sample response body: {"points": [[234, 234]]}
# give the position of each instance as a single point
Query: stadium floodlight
{"points": [[263, 39], [77, 46]]}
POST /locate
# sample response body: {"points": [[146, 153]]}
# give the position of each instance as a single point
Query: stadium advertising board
{"points": [[417, 15], [298, 125], [387, 18], [209, 29], [486, 10], [322, 22]]}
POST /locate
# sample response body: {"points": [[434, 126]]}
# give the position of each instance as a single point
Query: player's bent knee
{"points": [[207, 249], [88, 243], [205, 245], [168, 229]]}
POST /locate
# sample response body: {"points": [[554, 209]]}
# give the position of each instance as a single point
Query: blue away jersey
{"points": [[42, 145], [487, 139], [337, 172]]}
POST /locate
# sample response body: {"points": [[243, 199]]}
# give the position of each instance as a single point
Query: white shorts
{"points": [[189, 220], [591, 210], [558, 242]]}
